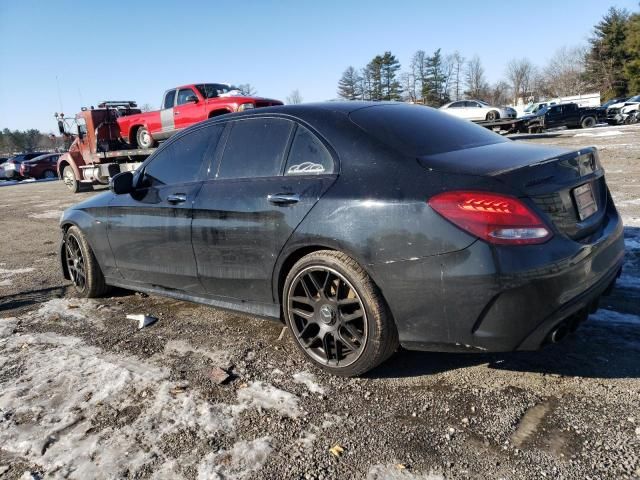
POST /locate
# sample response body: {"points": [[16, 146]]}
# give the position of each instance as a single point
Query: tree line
{"points": [[21, 141], [609, 63]]}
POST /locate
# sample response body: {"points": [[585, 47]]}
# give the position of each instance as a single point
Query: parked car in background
{"points": [[615, 111], [184, 106], [43, 166], [478, 110], [567, 115], [11, 168], [534, 108], [363, 226]]}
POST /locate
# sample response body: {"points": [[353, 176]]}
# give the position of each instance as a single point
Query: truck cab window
{"points": [[184, 94], [169, 99]]}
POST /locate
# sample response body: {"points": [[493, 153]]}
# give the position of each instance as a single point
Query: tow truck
{"points": [[97, 151]]}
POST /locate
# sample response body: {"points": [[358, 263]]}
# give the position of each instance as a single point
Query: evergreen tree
{"points": [[391, 88], [632, 47], [374, 75], [350, 84], [437, 79], [607, 57]]}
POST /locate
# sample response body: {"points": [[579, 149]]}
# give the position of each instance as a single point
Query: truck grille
{"points": [[561, 209]]}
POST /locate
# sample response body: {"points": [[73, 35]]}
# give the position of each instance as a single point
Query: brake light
{"points": [[495, 218]]}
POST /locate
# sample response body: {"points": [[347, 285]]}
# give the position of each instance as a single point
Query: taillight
{"points": [[495, 218]]}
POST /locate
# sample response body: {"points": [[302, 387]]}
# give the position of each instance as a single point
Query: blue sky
{"points": [[135, 49]]}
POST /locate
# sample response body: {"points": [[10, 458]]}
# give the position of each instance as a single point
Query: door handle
{"points": [[176, 113], [177, 198], [283, 198]]}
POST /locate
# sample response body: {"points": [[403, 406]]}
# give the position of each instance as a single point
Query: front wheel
{"points": [[70, 180], [82, 265], [144, 138], [49, 174], [588, 122], [337, 315]]}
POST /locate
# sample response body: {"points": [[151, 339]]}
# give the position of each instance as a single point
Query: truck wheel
{"points": [[144, 138], [70, 179], [493, 115], [588, 122]]}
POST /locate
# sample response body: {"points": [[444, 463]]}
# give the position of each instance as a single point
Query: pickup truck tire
{"points": [[144, 138], [82, 265], [588, 122], [493, 115]]}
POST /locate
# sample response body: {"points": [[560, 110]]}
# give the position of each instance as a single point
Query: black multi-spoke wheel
{"points": [[75, 263], [82, 266], [337, 315]]}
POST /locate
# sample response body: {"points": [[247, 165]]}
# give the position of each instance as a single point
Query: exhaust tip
{"points": [[558, 333]]}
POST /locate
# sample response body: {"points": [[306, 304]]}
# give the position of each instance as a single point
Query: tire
{"points": [[48, 174], [70, 180], [144, 138], [82, 265], [336, 314], [493, 115], [588, 122]]}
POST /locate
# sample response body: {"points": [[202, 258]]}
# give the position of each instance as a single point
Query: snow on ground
{"points": [[610, 316], [47, 214], [55, 389], [396, 472], [7, 274], [607, 133], [308, 380]]}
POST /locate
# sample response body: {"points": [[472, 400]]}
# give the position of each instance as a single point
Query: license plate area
{"points": [[585, 201]]}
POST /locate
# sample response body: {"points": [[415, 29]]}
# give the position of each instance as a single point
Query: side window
{"points": [[169, 99], [183, 94], [308, 156], [180, 161], [456, 105], [255, 148]]}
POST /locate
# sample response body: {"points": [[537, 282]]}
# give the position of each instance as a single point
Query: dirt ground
{"points": [[85, 394]]}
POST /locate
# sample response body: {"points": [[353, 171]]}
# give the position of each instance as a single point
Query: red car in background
{"points": [[43, 166], [184, 106]]}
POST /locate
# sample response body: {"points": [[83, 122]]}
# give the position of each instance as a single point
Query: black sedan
{"points": [[363, 226]]}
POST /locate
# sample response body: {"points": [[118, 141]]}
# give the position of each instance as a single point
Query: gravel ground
{"points": [[85, 394]]}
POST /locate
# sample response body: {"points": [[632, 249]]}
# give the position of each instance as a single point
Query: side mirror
{"points": [[121, 183], [192, 99]]}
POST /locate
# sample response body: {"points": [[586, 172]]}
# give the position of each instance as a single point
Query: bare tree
{"points": [[419, 74], [408, 82], [247, 89], [565, 72], [146, 107], [457, 66], [520, 73], [500, 94], [295, 98], [474, 79]]}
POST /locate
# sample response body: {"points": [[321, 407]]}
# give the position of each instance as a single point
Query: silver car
{"points": [[478, 110]]}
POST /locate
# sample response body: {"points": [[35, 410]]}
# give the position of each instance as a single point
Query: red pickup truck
{"points": [[184, 106]]}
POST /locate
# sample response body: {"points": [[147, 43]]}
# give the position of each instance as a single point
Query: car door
{"points": [[244, 215], [457, 109], [149, 230], [167, 121], [187, 112], [474, 110], [553, 116]]}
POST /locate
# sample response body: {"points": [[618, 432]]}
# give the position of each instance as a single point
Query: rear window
{"points": [[417, 131]]}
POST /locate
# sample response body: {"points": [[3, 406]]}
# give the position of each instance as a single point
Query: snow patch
{"points": [[609, 133], [309, 380], [7, 272], [7, 326], [392, 472], [6, 282], [609, 316], [180, 347], [242, 460], [66, 309], [48, 214], [260, 395]]}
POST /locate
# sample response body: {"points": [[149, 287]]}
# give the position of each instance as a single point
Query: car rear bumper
{"points": [[500, 299]]}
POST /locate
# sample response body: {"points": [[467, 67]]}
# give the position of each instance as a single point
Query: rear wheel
{"points": [[493, 115], [588, 122], [82, 265], [337, 315], [144, 138], [49, 174]]}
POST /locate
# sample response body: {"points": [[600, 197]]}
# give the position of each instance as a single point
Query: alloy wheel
{"points": [[76, 263], [327, 316]]}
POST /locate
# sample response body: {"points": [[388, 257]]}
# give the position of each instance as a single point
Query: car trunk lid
{"points": [[567, 186]]}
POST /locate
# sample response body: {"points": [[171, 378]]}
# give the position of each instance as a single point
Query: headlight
{"points": [[246, 106]]}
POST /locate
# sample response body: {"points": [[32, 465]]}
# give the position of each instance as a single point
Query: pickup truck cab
{"points": [[182, 107], [568, 115]]}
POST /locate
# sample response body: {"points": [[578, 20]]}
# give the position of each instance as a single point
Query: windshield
{"points": [[212, 90], [483, 103]]}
